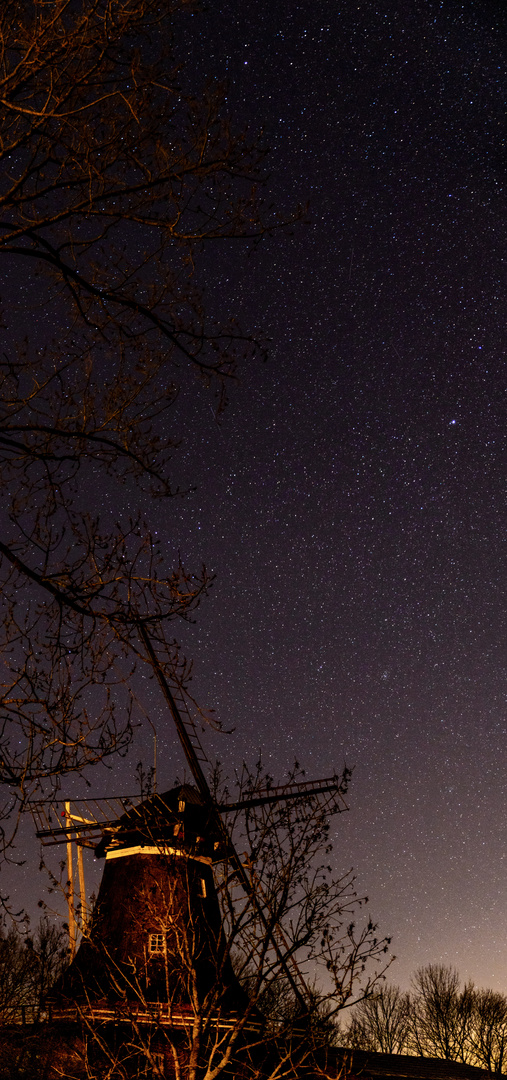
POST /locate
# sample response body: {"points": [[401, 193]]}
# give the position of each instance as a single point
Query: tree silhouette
{"points": [[115, 181]]}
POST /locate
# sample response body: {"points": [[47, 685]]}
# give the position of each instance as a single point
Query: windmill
{"points": [[158, 902]]}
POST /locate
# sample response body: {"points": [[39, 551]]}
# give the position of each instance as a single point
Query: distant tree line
{"points": [[439, 1018]]}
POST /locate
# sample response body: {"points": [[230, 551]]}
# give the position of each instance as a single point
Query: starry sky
{"points": [[352, 499]]}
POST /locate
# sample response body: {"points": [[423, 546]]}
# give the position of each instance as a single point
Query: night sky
{"points": [[352, 499]]}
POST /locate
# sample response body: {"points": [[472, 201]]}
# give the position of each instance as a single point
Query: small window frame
{"points": [[156, 944]]}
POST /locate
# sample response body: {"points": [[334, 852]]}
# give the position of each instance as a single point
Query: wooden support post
{"points": [[70, 886], [82, 890]]}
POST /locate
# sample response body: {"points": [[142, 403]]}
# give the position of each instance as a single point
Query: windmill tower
{"points": [[155, 945], [155, 941]]}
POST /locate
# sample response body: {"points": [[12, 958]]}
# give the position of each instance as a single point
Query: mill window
{"points": [[202, 890], [156, 944]]}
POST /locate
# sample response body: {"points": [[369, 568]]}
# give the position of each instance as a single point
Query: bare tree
{"points": [[289, 860], [117, 175], [488, 1030], [381, 1023], [30, 964], [48, 949], [102, 144], [441, 1014], [16, 975]]}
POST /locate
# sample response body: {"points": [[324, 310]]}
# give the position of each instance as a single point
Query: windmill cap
{"points": [[178, 814]]}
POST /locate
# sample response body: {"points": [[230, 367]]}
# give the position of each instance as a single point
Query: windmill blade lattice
{"points": [[329, 792], [84, 820]]}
